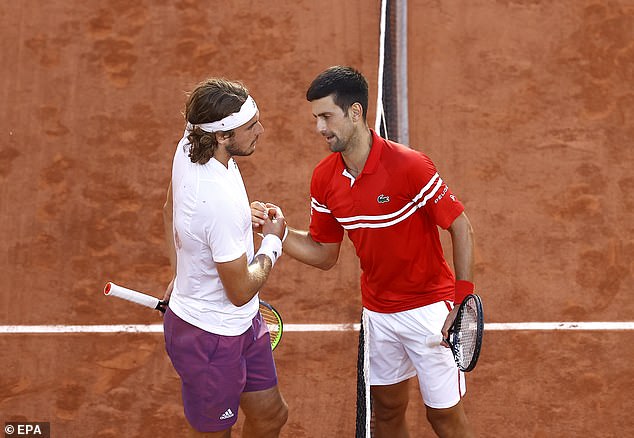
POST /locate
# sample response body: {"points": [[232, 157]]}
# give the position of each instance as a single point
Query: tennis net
{"points": [[391, 122]]}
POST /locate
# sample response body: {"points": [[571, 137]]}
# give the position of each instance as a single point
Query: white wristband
{"points": [[271, 247]]}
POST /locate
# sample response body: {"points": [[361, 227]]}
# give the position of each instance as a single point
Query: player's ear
{"points": [[222, 137], [356, 111]]}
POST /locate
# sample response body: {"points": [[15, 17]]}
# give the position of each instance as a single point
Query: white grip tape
{"points": [[114, 290], [271, 247], [433, 340]]}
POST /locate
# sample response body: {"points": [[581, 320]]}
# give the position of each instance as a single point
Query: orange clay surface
{"points": [[526, 107]]}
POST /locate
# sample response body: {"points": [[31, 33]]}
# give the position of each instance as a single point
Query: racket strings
{"points": [[272, 321], [466, 335]]}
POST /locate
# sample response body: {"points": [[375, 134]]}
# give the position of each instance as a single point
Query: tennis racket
{"points": [[465, 334], [273, 320], [270, 315]]}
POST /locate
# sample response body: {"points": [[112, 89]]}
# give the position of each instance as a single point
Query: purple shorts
{"points": [[215, 370]]}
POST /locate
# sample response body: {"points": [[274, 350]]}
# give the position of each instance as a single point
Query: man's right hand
{"points": [[274, 222], [168, 292]]}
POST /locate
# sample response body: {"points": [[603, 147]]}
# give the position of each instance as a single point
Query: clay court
{"points": [[525, 106]]}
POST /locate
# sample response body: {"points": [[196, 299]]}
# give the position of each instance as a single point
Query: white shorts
{"points": [[398, 352]]}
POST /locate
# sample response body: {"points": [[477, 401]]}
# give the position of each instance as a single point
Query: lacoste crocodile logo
{"points": [[382, 199]]}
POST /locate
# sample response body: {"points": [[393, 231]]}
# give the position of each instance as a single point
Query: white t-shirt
{"points": [[212, 223]]}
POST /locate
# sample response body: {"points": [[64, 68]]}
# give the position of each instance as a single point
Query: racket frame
{"points": [[275, 340], [479, 332]]}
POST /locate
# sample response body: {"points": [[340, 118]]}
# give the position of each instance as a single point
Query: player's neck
{"points": [[358, 151], [222, 156]]}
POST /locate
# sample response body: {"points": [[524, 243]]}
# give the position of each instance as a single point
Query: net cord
{"points": [[380, 116], [401, 73]]}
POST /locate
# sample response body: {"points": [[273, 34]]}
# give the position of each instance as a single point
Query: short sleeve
{"points": [[224, 233], [433, 193]]}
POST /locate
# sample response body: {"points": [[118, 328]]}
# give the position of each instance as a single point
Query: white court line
{"points": [[158, 328]]}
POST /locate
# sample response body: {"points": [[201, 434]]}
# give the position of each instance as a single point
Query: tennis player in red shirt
{"points": [[391, 201]]}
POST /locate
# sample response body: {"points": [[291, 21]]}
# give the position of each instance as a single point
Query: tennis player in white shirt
{"points": [[214, 334]]}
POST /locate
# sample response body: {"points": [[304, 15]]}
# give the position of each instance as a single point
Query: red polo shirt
{"points": [[391, 212]]}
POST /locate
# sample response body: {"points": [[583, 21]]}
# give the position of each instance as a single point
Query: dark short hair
{"points": [[346, 85]]}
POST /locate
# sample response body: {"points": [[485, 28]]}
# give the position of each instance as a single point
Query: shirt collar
{"points": [[374, 156], [375, 153]]}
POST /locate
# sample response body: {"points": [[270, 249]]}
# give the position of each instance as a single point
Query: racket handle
{"points": [[433, 340], [114, 290]]}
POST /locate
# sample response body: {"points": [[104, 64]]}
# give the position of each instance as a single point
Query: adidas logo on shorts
{"points": [[228, 414]]}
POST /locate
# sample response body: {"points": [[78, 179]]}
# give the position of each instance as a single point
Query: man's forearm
{"points": [[168, 226], [463, 248], [241, 281], [299, 245], [169, 242]]}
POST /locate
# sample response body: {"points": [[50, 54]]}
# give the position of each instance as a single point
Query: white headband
{"points": [[232, 121]]}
